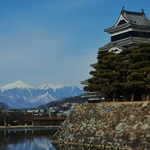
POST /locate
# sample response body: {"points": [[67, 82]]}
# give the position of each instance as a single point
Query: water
{"points": [[36, 139], [26, 139]]}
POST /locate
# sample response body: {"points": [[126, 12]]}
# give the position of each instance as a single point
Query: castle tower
{"points": [[131, 29]]}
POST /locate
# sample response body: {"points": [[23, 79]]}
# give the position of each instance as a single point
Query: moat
{"points": [[30, 139]]}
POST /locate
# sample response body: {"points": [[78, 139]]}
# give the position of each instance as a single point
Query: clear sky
{"points": [[55, 41]]}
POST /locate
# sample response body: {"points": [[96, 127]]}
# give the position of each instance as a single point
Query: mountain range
{"points": [[21, 95]]}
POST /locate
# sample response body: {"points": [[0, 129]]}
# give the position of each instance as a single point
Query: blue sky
{"points": [[55, 41]]}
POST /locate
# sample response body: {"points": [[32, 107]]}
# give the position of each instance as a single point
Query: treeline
{"points": [[15, 118], [3, 106], [123, 76]]}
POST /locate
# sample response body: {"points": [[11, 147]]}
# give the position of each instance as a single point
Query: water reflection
{"points": [[26, 140], [20, 139]]}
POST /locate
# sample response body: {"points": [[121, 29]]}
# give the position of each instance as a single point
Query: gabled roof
{"points": [[128, 19], [138, 18]]}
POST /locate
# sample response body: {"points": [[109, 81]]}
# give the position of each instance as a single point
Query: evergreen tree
{"points": [[122, 75], [138, 79], [104, 75]]}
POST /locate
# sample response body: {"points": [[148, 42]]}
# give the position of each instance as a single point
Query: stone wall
{"points": [[116, 125]]}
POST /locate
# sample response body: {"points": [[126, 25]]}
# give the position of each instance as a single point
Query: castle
{"points": [[130, 30]]}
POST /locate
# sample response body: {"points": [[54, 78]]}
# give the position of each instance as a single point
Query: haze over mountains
{"points": [[21, 95]]}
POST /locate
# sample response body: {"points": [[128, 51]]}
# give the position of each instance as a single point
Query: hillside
{"points": [[70, 100]]}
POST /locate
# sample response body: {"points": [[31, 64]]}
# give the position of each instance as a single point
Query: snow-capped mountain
{"points": [[22, 95], [19, 84], [50, 86]]}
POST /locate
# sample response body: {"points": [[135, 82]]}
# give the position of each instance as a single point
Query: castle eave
{"points": [[126, 26], [117, 28], [85, 82], [125, 43]]}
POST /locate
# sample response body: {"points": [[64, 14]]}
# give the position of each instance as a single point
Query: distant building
{"points": [[130, 30]]}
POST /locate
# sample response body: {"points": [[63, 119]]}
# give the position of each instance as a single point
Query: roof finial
{"points": [[142, 10], [122, 11]]}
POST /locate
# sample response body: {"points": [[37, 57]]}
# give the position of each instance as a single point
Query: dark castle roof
{"points": [[130, 19]]}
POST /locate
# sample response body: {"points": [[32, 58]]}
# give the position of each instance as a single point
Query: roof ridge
{"points": [[133, 12]]}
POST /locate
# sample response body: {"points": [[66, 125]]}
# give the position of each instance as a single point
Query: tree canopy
{"points": [[122, 76]]}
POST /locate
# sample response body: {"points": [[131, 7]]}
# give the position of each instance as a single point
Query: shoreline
{"points": [[98, 146], [29, 127]]}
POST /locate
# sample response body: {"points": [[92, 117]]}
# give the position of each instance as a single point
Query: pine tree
{"points": [[122, 75], [138, 79], [106, 79]]}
